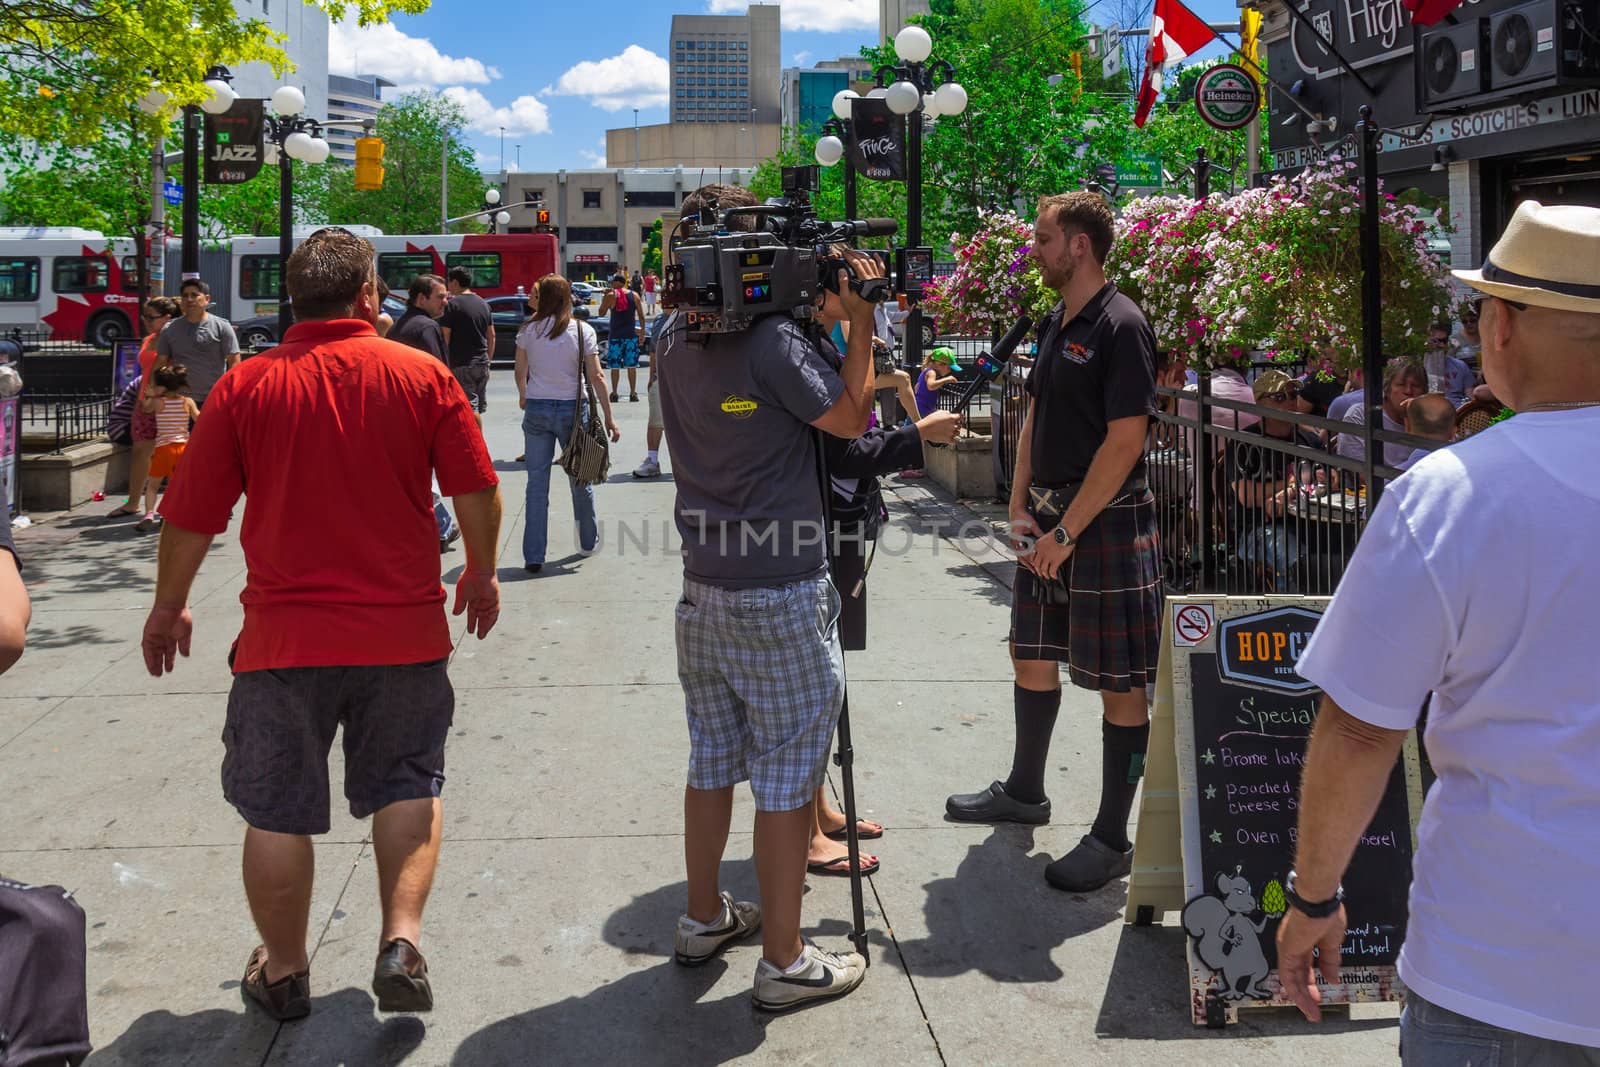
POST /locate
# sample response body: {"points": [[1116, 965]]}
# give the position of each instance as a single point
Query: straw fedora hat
{"points": [[1548, 257]]}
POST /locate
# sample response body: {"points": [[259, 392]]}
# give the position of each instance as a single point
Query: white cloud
{"points": [[828, 16], [636, 78], [383, 49], [595, 158], [524, 115], [802, 58]]}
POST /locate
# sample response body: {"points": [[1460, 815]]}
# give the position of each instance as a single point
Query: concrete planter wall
{"points": [[965, 468], [56, 481]]}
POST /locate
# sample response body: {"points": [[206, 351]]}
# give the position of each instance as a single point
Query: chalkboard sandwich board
{"points": [[1228, 740]]}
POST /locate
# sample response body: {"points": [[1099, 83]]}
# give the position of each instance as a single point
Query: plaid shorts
{"points": [[763, 684], [281, 723], [1108, 631]]}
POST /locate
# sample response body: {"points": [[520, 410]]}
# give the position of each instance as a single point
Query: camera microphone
{"points": [[871, 227]]}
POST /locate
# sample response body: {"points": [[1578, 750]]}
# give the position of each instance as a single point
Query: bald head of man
{"points": [[1432, 416]]}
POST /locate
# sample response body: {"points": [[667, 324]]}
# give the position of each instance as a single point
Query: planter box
{"points": [[56, 481], [966, 468]]}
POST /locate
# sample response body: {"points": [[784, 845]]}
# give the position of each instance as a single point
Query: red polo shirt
{"points": [[334, 434]]}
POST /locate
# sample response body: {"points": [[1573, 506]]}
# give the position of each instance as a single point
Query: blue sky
{"points": [[558, 76]]}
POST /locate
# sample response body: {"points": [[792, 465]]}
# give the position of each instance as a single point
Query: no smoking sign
{"points": [[1192, 624]]}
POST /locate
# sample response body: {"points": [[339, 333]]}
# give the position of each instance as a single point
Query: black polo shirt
{"points": [[1101, 366]]}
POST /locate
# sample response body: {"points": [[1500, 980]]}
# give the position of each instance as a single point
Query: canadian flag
{"points": [[1175, 32]]}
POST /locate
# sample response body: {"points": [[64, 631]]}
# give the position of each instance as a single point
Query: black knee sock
{"points": [[1036, 720], [1122, 765]]}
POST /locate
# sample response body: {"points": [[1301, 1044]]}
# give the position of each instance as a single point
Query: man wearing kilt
{"points": [[1087, 590]]}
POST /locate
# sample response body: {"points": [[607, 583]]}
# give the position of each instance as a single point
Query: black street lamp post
{"points": [[220, 99], [919, 89], [297, 137]]}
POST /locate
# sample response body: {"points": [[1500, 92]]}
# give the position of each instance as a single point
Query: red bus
{"points": [[76, 285]]}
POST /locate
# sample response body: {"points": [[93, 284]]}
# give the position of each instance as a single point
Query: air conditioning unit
{"points": [[1523, 46], [1450, 64]]}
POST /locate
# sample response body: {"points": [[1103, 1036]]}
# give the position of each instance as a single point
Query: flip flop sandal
{"points": [[861, 835], [123, 512], [841, 865]]}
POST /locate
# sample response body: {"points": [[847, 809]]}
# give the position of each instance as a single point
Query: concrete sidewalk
{"points": [[549, 933]]}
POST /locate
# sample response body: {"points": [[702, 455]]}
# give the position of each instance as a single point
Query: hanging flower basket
{"points": [[995, 279], [1276, 270]]}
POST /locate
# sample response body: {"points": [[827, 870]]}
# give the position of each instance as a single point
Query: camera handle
{"points": [[844, 757]]}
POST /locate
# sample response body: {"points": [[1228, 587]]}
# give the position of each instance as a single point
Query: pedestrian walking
{"points": [[158, 311], [1465, 594], [201, 341], [626, 336], [650, 283], [555, 352], [650, 467], [174, 410], [419, 328], [469, 337], [343, 618], [1087, 590], [739, 410], [15, 608]]}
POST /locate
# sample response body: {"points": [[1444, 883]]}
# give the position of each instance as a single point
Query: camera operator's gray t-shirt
{"points": [[737, 409]]}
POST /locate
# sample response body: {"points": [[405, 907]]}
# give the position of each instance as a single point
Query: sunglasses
{"points": [[1280, 397]]}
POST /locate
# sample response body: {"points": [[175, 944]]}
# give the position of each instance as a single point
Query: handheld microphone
{"points": [[990, 364]]}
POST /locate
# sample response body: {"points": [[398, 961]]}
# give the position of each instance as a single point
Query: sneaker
{"points": [[1089, 866], [823, 976], [148, 523], [695, 943], [648, 469], [400, 978], [446, 542], [613, 398], [633, 398]]}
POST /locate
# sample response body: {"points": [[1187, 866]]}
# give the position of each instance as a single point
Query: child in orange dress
{"points": [[168, 400]]}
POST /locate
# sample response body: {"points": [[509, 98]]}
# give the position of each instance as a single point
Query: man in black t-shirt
{"points": [[14, 606], [1088, 584], [419, 326], [469, 336], [1262, 480]]}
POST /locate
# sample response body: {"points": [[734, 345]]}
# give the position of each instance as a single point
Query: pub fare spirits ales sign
{"points": [[1231, 723]]}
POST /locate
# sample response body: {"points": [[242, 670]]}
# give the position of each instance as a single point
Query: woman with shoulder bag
{"points": [[158, 311], [555, 355]]}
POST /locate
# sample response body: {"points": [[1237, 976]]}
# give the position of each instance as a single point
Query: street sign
{"points": [[172, 192], [1139, 170], [1227, 96], [1111, 52]]}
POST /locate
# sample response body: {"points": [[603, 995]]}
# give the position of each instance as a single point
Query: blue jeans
{"points": [[1275, 547], [441, 514], [1431, 1036], [546, 429]]}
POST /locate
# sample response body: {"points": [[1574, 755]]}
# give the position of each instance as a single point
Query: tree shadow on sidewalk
{"points": [[999, 917], [349, 1033]]}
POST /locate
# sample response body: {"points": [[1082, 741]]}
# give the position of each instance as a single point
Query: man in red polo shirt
{"points": [[344, 617]]}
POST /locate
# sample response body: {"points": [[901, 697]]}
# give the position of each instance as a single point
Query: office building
{"points": [[698, 146], [893, 15], [352, 100], [306, 28], [725, 67], [806, 93], [602, 218]]}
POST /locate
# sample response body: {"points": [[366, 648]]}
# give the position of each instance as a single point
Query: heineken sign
{"points": [[1227, 96]]}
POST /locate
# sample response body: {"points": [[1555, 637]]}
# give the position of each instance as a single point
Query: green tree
{"points": [[874, 199], [66, 64], [413, 130], [652, 249]]}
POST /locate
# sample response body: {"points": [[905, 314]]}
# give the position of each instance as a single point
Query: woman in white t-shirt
{"points": [[548, 382]]}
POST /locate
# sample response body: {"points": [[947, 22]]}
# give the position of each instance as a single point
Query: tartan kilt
{"points": [[1108, 631]]}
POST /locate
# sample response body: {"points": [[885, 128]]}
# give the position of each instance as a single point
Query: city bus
{"points": [[78, 285], [500, 264], [68, 283]]}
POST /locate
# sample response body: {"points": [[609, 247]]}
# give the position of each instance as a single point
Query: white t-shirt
{"points": [[1353, 446], [1477, 580], [553, 361]]}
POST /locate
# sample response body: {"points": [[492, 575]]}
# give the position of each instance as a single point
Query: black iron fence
{"points": [[62, 419]]}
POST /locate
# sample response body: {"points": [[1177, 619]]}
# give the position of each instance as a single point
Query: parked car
{"points": [[589, 294], [930, 328]]}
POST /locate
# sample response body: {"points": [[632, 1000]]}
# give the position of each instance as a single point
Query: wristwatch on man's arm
{"points": [[1063, 538], [1320, 909]]}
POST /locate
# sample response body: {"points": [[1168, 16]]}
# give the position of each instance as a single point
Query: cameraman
{"points": [[757, 626]]}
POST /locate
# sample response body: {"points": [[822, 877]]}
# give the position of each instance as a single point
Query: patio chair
{"points": [[1475, 416]]}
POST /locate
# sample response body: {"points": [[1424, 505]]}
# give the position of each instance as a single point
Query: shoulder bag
{"points": [[587, 457]]}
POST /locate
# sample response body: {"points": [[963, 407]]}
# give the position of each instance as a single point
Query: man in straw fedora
{"points": [[1469, 591]]}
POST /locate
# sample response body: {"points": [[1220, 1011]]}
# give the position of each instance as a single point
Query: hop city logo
{"points": [[1076, 353], [1260, 650], [739, 407]]}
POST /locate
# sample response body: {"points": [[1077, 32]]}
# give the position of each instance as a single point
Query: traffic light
{"points": [[369, 163], [542, 218]]}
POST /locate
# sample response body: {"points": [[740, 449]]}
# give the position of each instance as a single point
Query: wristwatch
{"points": [[1312, 910], [1062, 537]]}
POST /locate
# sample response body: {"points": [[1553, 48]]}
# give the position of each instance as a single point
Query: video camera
{"points": [[724, 280]]}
